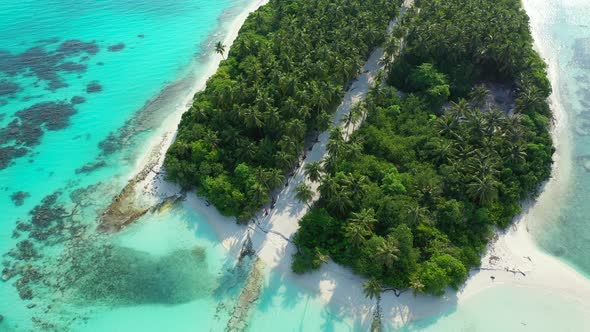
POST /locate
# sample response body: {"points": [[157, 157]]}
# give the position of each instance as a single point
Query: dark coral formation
{"points": [[46, 214], [109, 145], [29, 126], [18, 198], [8, 88], [93, 87], [8, 153], [72, 67], [47, 64], [24, 250], [116, 48], [28, 98], [76, 47], [91, 167], [49, 224], [77, 100]]}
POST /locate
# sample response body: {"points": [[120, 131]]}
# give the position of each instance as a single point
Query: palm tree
{"points": [[304, 193], [353, 116], [372, 289], [391, 48], [387, 253], [459, 109], [272, 118], [328, 188], [494, 117], [483, 189], [220, 49], [357, 186], [529, 97], [211, 138], [247, 150], [313, 171], [199, 112], [416, 214], [274, 178], [252, 117], [476, 124], [444, 150], [284, 160], [366, 218], [417, 286], [479, 95], [323, 120], [355, 234], [258, 192], [336, 142], [446, 125], [340, 203], [517, 152], [296, 128]]}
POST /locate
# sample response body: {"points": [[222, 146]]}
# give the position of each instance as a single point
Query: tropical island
{"points": [[411, 198], [283, 77]]}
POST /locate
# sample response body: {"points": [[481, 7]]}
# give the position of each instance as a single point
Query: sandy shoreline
{"points": [[514, 249]]}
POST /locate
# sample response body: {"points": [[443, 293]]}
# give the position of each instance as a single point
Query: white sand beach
{"points": [[512, 259]]}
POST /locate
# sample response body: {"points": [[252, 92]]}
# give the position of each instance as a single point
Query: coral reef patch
{"points": [[29, 125], [47, 64], [124, 276], [93, 87], [18, 198], [8, 88], [116, 48]]}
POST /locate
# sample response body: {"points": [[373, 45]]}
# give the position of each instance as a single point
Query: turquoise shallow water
{"points": [[567, 31], [84, 73], [168, 271], [506, 308]]}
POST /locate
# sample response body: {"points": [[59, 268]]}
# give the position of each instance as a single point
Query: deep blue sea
{"points": [[83, 86]]}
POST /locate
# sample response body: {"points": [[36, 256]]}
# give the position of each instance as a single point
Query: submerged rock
{"points": [[249, 295], [24, 292], [46, 63], [8, 88], [116, 48], [91, 167], [93, 87], [77, 100], [29, 125], [18, 198], [25, 250]]}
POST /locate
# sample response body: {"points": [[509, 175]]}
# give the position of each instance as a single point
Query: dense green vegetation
{"points": [[282, 79], [410, 200]]}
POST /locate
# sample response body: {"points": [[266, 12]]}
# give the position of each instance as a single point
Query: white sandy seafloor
{"points": [[522, 272]]}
